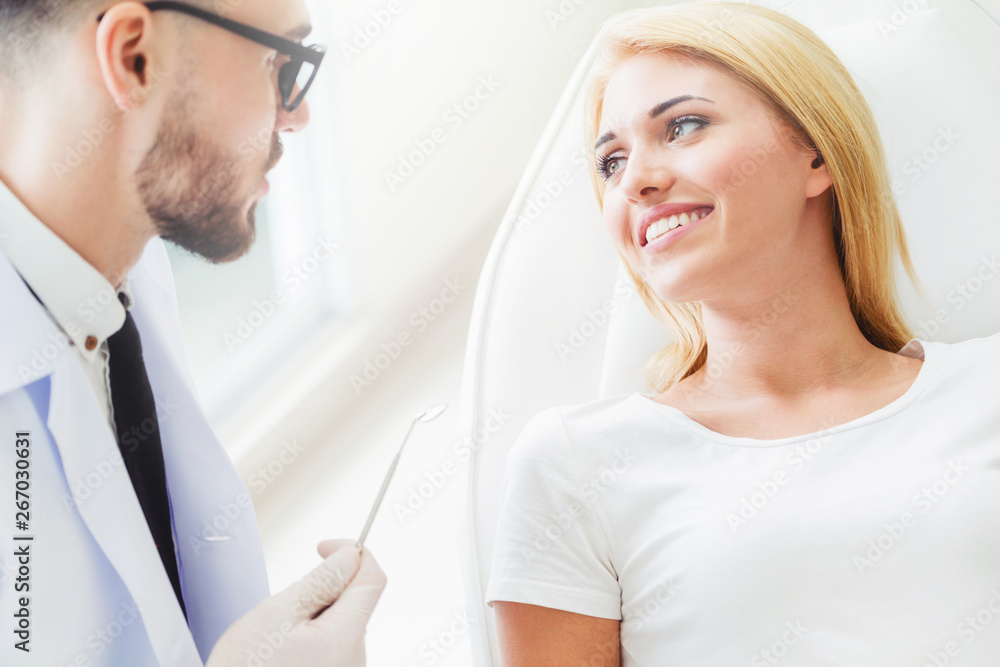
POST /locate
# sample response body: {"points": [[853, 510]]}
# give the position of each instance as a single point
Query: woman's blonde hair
{"points": [[814, 97]]}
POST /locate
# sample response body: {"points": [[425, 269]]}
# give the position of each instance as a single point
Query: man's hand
{"points": [[281, 631]]}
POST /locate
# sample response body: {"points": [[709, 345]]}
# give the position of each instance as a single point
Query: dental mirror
{"points": [[433, 412], [428, 414]]}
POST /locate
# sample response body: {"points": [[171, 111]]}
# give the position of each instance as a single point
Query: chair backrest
{"points": [[556, 321]]}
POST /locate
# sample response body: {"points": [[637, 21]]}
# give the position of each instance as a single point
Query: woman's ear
{"points": [[818, 181]]}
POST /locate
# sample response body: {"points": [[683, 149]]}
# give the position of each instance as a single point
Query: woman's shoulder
{"points": [[977, 351], [580, 427]]}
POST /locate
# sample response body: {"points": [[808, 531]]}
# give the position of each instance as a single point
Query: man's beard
{"points": [[191, 190]]}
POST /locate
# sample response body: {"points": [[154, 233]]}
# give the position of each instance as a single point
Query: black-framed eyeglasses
{"points": [[297, 73]]}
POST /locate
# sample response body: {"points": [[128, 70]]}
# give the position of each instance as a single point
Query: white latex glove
{"points": [[281, 630]]}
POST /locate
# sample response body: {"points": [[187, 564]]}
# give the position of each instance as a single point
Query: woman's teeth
{"points": [[664, 225]]}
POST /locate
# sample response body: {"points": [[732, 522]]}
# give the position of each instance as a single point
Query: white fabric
{"points": [[866, 543], [78, 298], [553, 323], [99, 593]]}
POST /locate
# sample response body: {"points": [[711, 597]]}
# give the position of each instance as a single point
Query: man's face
{"points": [[202, 178]]}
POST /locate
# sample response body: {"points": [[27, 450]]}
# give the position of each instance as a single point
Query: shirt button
{"points": [[91, 343]]}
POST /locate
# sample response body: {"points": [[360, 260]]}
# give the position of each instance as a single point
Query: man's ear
{"points": [[124, 53]]}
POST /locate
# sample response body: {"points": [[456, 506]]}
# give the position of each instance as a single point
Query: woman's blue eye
{"points": [[682, 122], [608, 165]]}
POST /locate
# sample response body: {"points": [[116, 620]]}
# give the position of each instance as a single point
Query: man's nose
{"points": [[293, 121]]}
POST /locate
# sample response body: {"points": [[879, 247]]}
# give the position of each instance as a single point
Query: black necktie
{"points": [[139, 439]]}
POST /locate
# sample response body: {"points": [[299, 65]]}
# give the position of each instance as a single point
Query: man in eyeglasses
{"points": [[126, 537]]}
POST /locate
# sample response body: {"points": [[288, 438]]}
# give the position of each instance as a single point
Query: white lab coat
{"points": [[99, 595]]}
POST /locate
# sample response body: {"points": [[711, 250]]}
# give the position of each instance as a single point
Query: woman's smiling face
{"points": [[678, 136]]}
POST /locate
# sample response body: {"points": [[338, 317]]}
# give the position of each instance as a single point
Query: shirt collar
{"points": [[77, 296]]}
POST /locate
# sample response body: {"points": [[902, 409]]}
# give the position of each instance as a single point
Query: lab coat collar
{"points": [[223, 572], [39, 349], [30, 338], [80, 299], [216, 533]]}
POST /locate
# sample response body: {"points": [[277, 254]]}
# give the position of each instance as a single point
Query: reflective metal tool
{"points": [[427, 415]]}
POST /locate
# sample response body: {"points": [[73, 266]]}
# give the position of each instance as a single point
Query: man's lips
{"points": [[663, 211], [270, 168], [277, 151]]}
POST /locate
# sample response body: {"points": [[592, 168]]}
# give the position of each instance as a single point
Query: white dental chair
{"points": [[556, 321]]}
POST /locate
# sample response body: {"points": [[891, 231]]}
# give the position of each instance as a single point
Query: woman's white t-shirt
{"points": [[875, 542]]}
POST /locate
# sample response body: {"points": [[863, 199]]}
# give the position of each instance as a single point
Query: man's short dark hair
{"points": [[26, 26], [30, 28]]}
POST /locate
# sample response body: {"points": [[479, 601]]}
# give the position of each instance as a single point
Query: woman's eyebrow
{"points": [[653, 113], [663, 106]]}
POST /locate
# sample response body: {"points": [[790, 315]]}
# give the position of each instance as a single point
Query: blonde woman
{"points": [[808, 484]]}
